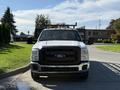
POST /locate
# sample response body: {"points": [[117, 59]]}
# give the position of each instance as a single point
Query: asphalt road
{"points": [[104, 75]]}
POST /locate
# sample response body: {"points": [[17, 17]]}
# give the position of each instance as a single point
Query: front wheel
{"points": [[34, 76], [83, 76]]}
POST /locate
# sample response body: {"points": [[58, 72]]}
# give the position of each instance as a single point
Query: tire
{"points": [[34, 76], [83, 76]]}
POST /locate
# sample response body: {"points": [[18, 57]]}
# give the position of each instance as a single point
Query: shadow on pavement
{"points": [[102, 76], [8, 84]]}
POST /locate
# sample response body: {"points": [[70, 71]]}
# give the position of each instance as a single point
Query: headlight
{"points": [[84, 54], [35, 55]]}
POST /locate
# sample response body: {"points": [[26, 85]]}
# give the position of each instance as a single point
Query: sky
{"points": [[88, 13]]}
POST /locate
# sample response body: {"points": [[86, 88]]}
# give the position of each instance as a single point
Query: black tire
{"points": [[34, 76], [83, 76]]}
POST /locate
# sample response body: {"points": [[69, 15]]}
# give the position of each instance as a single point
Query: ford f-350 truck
{"points": [[59, 52]]}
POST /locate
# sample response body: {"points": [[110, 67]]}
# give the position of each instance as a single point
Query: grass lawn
{"points": [[113, 47], [14, 55]]}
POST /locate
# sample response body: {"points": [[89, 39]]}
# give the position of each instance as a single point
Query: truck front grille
{"points": [[59, 56], [59, 69]]}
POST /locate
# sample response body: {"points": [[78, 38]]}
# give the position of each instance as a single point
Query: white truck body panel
{"points": [[41, 44]]}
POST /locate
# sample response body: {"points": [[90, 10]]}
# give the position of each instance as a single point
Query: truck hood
{"points": [[41, 44]]}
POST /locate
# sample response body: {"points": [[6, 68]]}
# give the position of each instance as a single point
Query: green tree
{"points": [[41, 23], [1, 35], [110, 26], [115, 25], [5, 34], [8, 21], [22, 33]]}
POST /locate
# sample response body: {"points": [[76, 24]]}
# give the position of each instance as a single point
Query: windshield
{"points": [[59, 35]]}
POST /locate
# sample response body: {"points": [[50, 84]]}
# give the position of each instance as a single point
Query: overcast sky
{"points": [[84, 12]]}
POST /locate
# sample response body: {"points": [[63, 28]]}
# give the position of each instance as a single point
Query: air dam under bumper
{"points": [[59, 69]]}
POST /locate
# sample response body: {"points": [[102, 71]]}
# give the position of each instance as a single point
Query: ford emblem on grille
{"points": [[60, 55]]}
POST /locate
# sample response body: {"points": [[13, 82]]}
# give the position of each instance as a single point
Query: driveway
{"points": [[104, 75]]}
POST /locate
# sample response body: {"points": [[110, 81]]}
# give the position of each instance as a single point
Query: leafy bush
{"points": [[99, 41], [107, 41]]}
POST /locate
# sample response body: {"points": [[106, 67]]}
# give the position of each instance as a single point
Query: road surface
{"points": [[104, 75], [105, 56]]}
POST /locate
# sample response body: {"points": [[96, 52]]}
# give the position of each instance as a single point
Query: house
{"points": [[22, 37], [89, 34]]}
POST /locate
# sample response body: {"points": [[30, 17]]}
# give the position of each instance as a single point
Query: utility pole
{"points": [[84, 34], [96, 27], [99, 23]]}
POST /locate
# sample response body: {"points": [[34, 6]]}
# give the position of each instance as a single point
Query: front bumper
{"points": [[81, 68]]}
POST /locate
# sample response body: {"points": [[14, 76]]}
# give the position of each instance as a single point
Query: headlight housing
{"points": [[35, 55], [84, 54]]}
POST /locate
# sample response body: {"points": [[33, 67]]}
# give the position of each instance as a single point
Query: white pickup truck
{"points": [[59, 52]]}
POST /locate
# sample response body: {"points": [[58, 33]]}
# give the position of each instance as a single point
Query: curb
{"points": [[14, 72]]}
